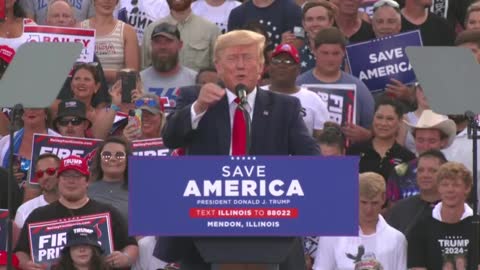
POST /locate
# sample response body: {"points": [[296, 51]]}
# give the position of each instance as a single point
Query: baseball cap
{"points": [[4, 259], [289, 49], [150, 102], [82, 235], [75, 163], [167, 30], [72, 107], [6, 53]]}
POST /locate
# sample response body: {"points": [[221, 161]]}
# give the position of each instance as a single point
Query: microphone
{"points": [[241, 92]]}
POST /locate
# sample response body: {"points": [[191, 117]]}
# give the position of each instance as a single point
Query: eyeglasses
{"points": [[389, 3], [73, 121], [150, 102], [107, 155], [278, 61], [48, 171]]}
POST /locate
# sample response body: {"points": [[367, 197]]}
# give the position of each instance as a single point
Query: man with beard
{"points": [[198, 35], [73, 175], [166, 73]]}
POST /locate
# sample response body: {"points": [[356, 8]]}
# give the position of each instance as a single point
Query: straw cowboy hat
{"points": [[431, 120]]}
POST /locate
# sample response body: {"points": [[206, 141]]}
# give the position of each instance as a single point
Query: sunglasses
{"points": [[107, 155], [48, 171], [278, 61], [73, 121], [389, 3], [150, 102]]}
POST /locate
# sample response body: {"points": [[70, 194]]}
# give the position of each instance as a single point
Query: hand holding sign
{"points": [[399, 90], [118, 259], [356, 133], [30, 265]]}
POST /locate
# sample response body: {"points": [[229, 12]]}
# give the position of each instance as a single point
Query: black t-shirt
{"points": [[56, 210], [365, 33], [433, 244], [371, 161], [405, 214], [435, 31]]}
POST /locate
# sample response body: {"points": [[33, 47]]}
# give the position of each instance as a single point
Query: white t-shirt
{"points": [[217, 15], [25, 209], [314, 109], [146, 260], [142, 14], [386, 247]]}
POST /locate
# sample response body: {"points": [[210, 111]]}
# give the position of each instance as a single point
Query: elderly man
{"points": [[208, 121]]}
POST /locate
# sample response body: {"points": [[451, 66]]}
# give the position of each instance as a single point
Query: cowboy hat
{"points": [[432, 120]]}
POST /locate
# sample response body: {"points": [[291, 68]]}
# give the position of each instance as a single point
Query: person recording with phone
{"points": [[208, 121], [152, 119]]}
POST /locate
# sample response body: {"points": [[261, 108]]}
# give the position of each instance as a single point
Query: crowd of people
{"points": [[188, 57]]}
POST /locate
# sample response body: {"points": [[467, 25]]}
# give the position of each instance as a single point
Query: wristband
{"points": [[114, 107], [128, 258]]}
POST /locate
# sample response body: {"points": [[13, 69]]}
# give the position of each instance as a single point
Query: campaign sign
{"points": [[150, 148], [243, 196], [62, 147], [3, 228], [48, 238], [376, 61], [2, 10], [340, 98], [41, 33], [367, 7]]}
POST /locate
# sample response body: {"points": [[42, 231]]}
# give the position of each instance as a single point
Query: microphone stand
{"points": [[11, 185], [472, 131]]}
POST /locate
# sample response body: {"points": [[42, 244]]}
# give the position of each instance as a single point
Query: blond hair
{"points": [[371, 184], [239, 38], [455, 170]]}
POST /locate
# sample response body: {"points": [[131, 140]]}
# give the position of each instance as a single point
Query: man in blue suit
{"points": [[204, 123]]}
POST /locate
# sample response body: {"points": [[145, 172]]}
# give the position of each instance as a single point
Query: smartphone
{"points": [[299, 32], [129, 82]]}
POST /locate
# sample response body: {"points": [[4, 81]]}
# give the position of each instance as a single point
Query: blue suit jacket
{"points": [[277, 126]]}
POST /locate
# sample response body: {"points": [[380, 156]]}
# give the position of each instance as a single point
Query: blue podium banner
{"points": [[376, 61], [243, 196]]}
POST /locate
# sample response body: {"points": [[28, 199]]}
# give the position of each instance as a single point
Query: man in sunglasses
{"points": [[46, 175], [73, 174], [72, 119], [284, 69]]}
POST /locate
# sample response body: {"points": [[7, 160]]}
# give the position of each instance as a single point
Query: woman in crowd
{"points": [[382, 153], [153, 119], [33, 121], [11, 29], [110, 174], [472, 18], [116, 42], [82, 251]]}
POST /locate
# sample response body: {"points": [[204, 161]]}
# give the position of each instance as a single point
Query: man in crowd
{"points": [[198, 36], [470, 39], [446, 237], [331, 140], [73, 175], [364, 251], [349, 21], [46, 175], [38, 10], [284, 69], [432, 131], [317, 15], [406, 213], [434, 29], [329, 53], [208, 121], [71, 120], [166, 73]]}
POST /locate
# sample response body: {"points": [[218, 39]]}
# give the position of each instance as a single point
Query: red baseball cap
{"points": [[6, 53], [3, 259], [75, 163], [289, 49]]}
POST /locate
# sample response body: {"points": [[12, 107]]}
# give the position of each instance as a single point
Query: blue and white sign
{"points": [[376, 61], [243, 196]]}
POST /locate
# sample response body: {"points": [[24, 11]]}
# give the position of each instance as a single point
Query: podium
{"points": [[248, 253]]}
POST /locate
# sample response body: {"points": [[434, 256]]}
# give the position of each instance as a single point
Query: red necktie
{"points": [[239, 132]]}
